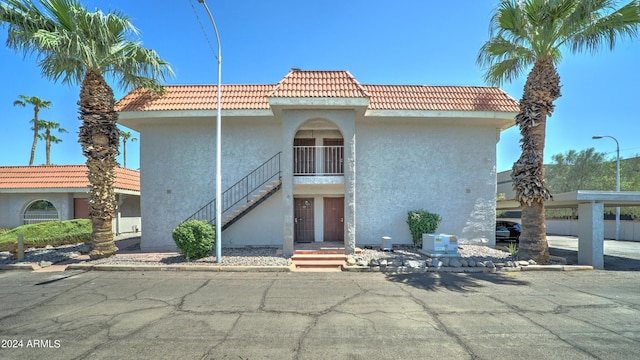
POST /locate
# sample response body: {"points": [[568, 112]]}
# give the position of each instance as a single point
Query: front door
{"points": [[303, 220], [334, 219]]}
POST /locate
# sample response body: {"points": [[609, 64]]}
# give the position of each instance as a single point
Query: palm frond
{"points": [[68, 41], [504, 59], [606, 29]]}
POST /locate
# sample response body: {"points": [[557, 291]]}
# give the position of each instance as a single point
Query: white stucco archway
{"points": [[40, 211]]}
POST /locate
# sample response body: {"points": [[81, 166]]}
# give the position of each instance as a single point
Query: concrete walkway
{"points": [[618, 255]]}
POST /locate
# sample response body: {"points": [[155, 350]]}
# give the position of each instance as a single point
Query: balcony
{"points": [[318, 160]]}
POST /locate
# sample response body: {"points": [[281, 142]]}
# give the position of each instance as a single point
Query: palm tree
{"points": [[125, 135], [77, 46], [37, 105], [534, 32], [48, 137]]}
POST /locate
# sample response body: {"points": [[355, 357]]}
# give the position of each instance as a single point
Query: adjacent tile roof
{"points": [[452, 98], [58, 177], [197, 97], [325, 84]]}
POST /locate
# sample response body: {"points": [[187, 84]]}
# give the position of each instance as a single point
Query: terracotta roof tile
{"points": [[197, 97], [314, 84], [440, 98], [60, 177], [311, 84]]}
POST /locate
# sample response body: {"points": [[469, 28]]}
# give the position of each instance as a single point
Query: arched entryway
{"points": [[40, 211], [318, 170]]}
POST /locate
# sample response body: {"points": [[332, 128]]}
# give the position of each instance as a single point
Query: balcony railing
{"points": [[318, 160]]}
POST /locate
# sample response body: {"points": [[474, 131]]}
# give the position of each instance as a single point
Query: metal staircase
{"points": [[245, 195]]}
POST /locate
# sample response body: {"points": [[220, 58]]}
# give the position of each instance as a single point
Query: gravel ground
{"points": [[254, 256]]}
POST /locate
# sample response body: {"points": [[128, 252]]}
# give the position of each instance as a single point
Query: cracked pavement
{"points": [[193, 315]]}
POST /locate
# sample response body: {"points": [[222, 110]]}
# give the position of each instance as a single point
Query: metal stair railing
{"points": [[265, 177]]}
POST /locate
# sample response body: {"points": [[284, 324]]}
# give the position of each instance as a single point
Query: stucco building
{"points": [[319, 157], [31, 194]]}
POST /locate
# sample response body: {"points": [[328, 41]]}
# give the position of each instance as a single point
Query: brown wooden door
{"points": [[334, 219], [304, 159], [80, 208], [303, 220], [333, 156]]}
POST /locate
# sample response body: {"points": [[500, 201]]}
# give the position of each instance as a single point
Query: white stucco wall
{"points": [[13, 205], [177, 168], [403, 165], [260, 227]]}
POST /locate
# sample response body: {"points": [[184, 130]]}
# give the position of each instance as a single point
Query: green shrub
{"points": [[195, 238], [422, 222], [54, 233]]}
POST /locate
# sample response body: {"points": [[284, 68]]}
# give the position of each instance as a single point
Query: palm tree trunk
{"points": [[124, 152], [540, 91], [48, 149], [35, 135], [99, 138]]}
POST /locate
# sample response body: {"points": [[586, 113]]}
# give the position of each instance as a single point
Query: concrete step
{"points": [[319, 268], [318, 257], [318, 265], [310, 260]]}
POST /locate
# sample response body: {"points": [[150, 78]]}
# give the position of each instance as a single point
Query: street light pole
{"points": [[218, 142], [595, 137]]}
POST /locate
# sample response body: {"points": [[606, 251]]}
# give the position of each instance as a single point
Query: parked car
{"points": [[507, 230]]}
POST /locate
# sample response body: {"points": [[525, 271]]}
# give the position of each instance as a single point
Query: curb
{"points": [[23, 266], [346, 268], [404, 269], [214, 268]]}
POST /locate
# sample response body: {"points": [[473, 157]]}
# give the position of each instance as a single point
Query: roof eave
{"points": [[360, 105], [502, 120]]}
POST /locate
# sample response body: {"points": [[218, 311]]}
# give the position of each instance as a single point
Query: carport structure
{"points": [[590, 205]]}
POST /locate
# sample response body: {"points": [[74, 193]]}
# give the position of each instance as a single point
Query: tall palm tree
{"points": [[125, 135], [77, 46], [37, 104], [48, 137], [534, 33]]}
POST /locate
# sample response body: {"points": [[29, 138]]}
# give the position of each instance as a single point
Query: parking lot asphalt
{"points": [[206, 315]]}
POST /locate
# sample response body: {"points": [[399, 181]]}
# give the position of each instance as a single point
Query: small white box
{"points": [[439, 243]]}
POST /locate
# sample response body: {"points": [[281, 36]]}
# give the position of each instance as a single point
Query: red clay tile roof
{"points": [[197, 97], [60, 177], [452, 98], [313, 84]]}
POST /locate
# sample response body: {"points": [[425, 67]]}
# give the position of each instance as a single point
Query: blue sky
{"points": [[424, 42]]}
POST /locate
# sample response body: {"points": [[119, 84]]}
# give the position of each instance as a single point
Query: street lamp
{"points": [[595, 137], [218, 143]]}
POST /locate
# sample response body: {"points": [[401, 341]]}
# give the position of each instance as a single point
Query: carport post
{"points": [[591, 234]]}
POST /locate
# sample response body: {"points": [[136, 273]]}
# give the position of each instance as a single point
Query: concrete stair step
{"points": [[318, 251], [319, 269], [318, 265], [318, 257]]}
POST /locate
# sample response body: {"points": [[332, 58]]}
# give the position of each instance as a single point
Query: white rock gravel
{"points": [[254, 256]]}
